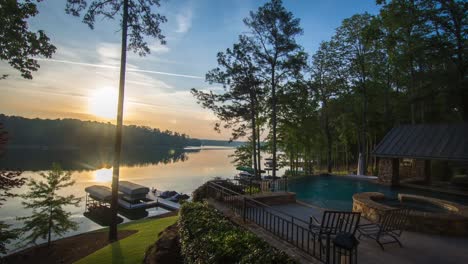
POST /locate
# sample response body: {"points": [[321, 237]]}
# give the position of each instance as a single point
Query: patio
{"points": [[417, 247]]}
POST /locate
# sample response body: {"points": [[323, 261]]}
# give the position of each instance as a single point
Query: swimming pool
{"points": [[336, 192]]}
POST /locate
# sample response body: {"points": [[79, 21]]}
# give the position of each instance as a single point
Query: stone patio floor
{"points": [[417, 247]]}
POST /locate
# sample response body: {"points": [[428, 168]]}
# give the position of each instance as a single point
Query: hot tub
{"points": [[428, 215]]}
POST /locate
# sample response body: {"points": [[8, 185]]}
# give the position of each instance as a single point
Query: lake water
{"points": [[179, 170]]}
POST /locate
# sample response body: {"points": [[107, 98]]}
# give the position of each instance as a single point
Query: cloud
{"points": [[184, 21], [109, 50], [117, 67], [156, 47]]}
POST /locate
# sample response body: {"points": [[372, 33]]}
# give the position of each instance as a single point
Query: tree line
{"points": [[328, 109], [74, 133]]}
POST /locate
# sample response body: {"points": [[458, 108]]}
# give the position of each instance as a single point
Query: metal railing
{"points": [[252, 186], [282, 225]]}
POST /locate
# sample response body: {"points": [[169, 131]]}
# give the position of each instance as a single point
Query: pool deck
{"points": [[417, 247]]}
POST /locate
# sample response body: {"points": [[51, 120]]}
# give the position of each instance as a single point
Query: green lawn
{"points": [[131, 249]]}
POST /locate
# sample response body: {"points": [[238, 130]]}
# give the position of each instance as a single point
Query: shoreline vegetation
{"points": [[168, 236], [74, 248], [75, 134]]}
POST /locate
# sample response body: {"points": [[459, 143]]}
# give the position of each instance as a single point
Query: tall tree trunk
{"points": [[259, 149], [347, 156], [363, 152], [49, 237], [254, 134], [387, 99], [273, 118], [328, 135], [291, 162], [362, 163], [118, 131]]}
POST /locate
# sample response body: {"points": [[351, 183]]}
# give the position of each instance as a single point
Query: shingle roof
{"points": [[426, 141]]}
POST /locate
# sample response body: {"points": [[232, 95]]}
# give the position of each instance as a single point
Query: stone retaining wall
{"points": [[366, 203], [275, 198]]}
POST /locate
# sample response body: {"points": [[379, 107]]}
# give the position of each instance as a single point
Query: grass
{"points": [[131, 249]]}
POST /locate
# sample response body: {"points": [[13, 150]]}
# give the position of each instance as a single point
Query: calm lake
{"points": [[181, 170]]}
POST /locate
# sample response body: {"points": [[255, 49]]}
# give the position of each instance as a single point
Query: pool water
{"points": [[336, 192]]}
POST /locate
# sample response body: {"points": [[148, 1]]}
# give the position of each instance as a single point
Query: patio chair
{"points": [[388, 229], [333, 223]]}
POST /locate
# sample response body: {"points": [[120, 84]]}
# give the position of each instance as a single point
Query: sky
{"points": [[81, 79]]}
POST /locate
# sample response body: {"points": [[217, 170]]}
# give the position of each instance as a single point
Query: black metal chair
{"points": [[333, 222], [389, 227]]}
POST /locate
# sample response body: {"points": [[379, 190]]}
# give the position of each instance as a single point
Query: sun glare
{"points": [[103, 103], [103, 175]]}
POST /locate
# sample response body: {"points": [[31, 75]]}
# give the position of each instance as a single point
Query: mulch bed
{"points": [[66, 250]]}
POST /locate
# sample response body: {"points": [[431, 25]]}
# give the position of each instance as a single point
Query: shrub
{"points": [[208, 237], [200, 193]]}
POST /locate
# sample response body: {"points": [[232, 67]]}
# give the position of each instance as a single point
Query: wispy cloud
{"points": [[184, 20], [117, 67], [156, 47]]}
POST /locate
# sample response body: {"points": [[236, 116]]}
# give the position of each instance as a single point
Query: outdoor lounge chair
{"points": [[333, 223], [388, 229]]}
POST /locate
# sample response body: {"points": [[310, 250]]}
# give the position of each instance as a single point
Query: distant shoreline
{"points": [[36, 147]]}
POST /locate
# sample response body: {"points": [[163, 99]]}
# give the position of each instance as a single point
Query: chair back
{"points": [[334, 222], [394, 220]]}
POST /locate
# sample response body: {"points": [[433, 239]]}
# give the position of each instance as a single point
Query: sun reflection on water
{"points": [[103, 175]]}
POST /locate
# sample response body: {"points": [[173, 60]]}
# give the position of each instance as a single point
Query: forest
{"points": [[74, 133], [328, 109]]}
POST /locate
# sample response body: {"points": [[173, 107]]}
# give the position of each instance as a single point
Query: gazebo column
{"points": [[427, 171], [395, 172]]}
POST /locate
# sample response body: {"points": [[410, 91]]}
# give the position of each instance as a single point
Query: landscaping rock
{"points": [[167, 249]]}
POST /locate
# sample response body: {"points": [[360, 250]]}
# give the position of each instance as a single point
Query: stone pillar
{"points": [[395, 172]]}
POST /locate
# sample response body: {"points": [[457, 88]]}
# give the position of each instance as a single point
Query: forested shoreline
{"points": [[328, 109], [78, 134]]}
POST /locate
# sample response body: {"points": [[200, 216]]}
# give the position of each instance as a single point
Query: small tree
{"points": [[18, 45], [48, 214]]}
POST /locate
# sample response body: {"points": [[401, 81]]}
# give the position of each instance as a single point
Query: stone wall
{"points": [[385, 171], [367, 204], [415, 169], [275, 198], [453, 222]]}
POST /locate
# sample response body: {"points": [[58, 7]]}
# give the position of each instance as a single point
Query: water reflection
{"points": [[179, 170], [103, 175], [88, 159]]}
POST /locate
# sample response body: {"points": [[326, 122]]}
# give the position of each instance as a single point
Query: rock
{"points": [[166, 250]]}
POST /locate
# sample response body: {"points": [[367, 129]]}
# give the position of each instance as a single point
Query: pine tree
{"points": [[49, 216], [139, 18]]}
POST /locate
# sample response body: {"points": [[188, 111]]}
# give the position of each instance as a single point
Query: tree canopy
{"points": [[73, 133], [48, 213], [406, 64], [18, 44]]}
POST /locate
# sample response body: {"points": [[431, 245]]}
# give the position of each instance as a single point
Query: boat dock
{"points": [[131, 196]]}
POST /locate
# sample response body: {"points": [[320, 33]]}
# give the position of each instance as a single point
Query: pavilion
{"points": [[430, 154]]}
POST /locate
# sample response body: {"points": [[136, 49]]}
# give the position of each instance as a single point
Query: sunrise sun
{"points": [[103, 103]]}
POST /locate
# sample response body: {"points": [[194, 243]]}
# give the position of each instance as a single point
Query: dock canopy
{"points": [[426, 141], [132, 189], [99, 192]]}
